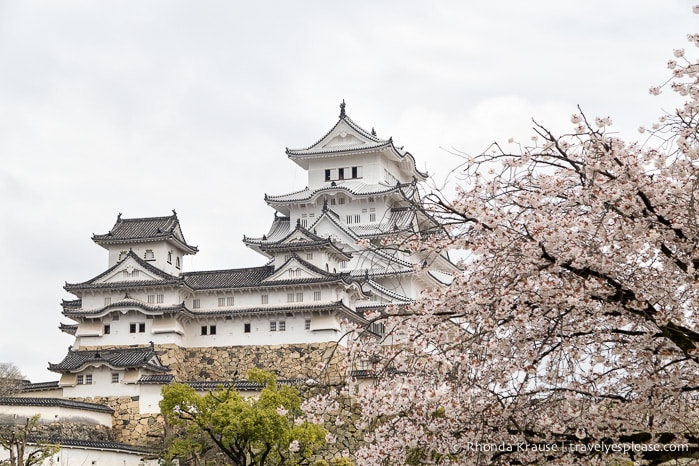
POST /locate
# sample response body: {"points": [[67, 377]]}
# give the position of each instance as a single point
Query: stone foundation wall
{"points": [[129, 426], [319, 361]]}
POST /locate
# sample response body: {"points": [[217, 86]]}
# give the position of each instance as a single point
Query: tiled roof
{"points": [[233, 278], [90, 444], [399, 220], [240, 385], [40, 386], [338, 306], [72, 304], [130, 230], [254, 277], [54, 402], [68, 328], [93, 283], [353, 187], [126, 358], [343, 117], [372, 142], [126, 302], [156, 379], [392, 294]]}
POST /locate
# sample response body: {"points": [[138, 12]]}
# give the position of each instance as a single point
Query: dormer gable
{"points": [[129, 269], [296, 268], [116, 276]]}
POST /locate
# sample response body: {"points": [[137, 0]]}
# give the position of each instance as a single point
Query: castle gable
{"points": [[297, 269]]}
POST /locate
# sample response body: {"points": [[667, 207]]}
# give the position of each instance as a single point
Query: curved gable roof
{"points": [[131, 230]]}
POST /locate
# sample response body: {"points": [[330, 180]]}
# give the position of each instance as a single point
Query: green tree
{"points": [[268, 430]]}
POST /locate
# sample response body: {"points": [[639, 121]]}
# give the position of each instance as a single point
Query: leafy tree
{"points": [[573, 330], [268, 430], [22, 449]]}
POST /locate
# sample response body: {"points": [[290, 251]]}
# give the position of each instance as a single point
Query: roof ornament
{"points": [[174, 212], [342, 109], [264, 237], [152, 345], [126, 295], [97, 355], [119, 217], [366, 274], [332, 183], [373, 131], [298, 222], [325, 207]]}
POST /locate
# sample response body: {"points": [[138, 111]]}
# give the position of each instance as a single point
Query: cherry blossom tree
{"points": [[572, 335]]}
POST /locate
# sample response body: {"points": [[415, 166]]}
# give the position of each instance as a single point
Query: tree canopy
{"points": [[571, 337], [267, 430]]}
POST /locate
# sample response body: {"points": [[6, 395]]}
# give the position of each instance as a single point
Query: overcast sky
{"points": [[141, 107]]}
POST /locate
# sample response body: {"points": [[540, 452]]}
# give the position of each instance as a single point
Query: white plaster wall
{"points": [[101, 385], [51, 414], [74, 456], [53, 393], [317, 167], [231, 332], [160, 250], [149, 397]]}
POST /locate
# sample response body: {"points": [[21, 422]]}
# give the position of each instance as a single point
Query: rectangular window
{"points": [[282, 326], [304, 222], [273, 326], [316, 296], [115, 317], [204, 330], [221, 302], [341, 174], [343, 264], [107, 300], [287, 257], [349, 220], [107, 329], [265, 299], [132, 328], [290, 297], [212, 330], [196, 303], [372, 217], [142, 328], [357, 219], [309, 256], [160, 299], [371, 199], [307, 324], [332, 201], [151, 299], [299, 297], [80, 380], [327, 175], [230, 301], [246, 328], [88, 379], [354, 172], [341, 200], [115, 377]]}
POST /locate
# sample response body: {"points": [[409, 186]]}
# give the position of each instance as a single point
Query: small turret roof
{"points": [[125, 358], [138, 230]]}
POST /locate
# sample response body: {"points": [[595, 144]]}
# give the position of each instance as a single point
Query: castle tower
{"points": [[334, 250]]}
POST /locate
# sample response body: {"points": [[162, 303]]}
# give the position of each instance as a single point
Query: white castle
{"points": [[145, 321]]}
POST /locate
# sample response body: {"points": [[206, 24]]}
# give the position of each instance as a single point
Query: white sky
{"points": [[142, 107]]}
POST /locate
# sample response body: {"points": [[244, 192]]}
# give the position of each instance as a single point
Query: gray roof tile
{"points": [[125, 358]]}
